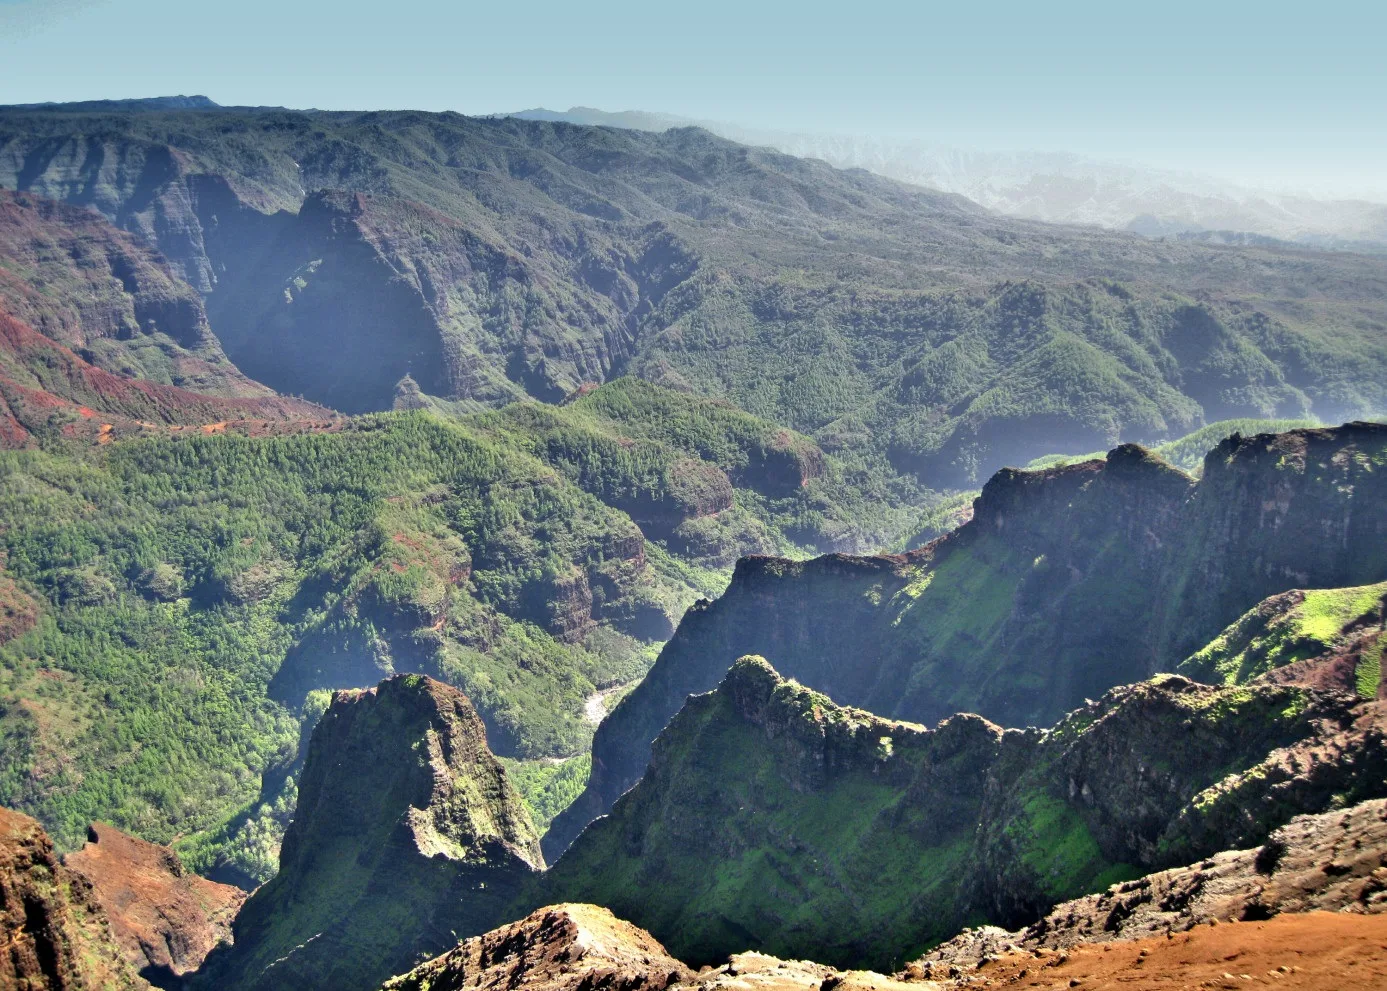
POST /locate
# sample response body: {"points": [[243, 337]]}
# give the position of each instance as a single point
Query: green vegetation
{"points": [[1294, 627], [196, 594], [549, 785]]}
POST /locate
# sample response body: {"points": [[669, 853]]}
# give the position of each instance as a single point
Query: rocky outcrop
{"points": [[54, 935], [559, 948], [1064, 583], [576, 947], [165, 918], [771, 817], [407, 835], [1331, 862]]}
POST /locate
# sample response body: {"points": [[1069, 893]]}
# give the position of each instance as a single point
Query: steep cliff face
{"points": [[1064, 583], [109, 296], [100, 338], [772, 817], [559, 948], [165, 918], [55, 935], [407, 834]]}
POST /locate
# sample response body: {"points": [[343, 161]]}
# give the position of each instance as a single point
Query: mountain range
{"points": [[1061, 187], [443, 552], [489, 260]]}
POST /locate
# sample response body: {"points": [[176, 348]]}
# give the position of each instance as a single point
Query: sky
{"points": [[1270, 93]]}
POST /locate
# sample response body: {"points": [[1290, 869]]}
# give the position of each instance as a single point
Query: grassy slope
{"points": [[1309, 624]]}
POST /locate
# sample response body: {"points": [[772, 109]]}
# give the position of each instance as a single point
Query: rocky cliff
{"points": [[773, 818], [407, 834], [99, 337], [559, 948], [78, 280], [165, 918], [1064, 583], [54, 933]]}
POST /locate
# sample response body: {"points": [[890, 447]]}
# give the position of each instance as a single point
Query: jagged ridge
{"points": [[771, 817], [1065, 582]]}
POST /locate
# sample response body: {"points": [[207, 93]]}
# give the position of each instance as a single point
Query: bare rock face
{"points": [[407, 835], [1335, 862], [559, 948], [165, 919], [54, 935]]}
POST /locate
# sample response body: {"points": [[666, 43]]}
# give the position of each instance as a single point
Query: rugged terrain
{"points": [[771, 817], [407, 834], [165, 918], [1304, 910], [203, 593], [1064, 582], [490, 259], [55, 935], [100, 338], [560, 948]]}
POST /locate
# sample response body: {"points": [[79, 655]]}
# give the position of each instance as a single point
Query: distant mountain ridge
{"points": [[1059, 187], [137, 103], [491, 259]]}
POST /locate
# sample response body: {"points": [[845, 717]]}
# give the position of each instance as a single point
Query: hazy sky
{"points": [[1266, 92]]}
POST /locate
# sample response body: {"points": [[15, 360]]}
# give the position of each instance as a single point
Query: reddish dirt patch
{"points": [[165, 919], [1317, 951], [18, 611]]}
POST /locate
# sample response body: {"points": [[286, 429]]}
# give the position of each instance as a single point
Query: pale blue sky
{"points": [[1260, 92]]}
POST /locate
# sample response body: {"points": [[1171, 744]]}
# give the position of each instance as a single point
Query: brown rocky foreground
{"points": [[1314, 951], [1332, 862], [585, 948], [53, 934], [165, 918]]}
